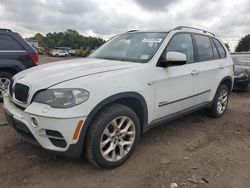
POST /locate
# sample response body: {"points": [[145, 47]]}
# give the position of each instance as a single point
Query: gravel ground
{"points": [[194, 151]]}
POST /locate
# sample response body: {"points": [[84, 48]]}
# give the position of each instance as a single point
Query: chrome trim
{"points": [[164, 103]]}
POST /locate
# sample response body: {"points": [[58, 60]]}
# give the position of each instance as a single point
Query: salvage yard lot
{"points": [[193, 151]]}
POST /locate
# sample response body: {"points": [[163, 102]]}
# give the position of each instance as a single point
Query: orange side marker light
{"points": [[77, 130]]}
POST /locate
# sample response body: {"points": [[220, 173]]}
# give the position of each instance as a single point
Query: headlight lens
{"points": [[62, 98]]}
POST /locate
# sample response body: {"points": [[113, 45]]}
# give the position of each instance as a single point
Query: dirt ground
{"points": [[194, 151]]}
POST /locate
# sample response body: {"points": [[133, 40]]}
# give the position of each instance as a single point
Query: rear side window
{"points": [[182, 43], [220, 48], [216, 54], [204, 48], [8, 43]]}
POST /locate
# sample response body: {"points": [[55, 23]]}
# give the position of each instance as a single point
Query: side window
{"points": [[216, 54], [182, 43], [205, 52], [8, 43], [220, 48]]}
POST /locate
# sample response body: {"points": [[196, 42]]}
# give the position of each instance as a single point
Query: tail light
{"points": [[34, 57]]}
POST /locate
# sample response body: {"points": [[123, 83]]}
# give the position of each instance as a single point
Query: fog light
{"points": [[34, 121]]}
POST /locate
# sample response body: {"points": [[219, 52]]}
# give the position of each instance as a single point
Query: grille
{"points": [[21, 92]]}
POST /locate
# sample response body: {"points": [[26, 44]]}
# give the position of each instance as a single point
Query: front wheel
{"points": [[220, 102], [112, 136]]}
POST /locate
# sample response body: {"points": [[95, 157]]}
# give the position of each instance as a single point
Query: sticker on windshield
{"points": [[157, 40]]}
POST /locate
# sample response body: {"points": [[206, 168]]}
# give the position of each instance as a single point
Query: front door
{"points": [[177, 86]]}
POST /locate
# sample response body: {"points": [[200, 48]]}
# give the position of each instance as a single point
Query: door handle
{"points": [[194, 72], [221, 67]]}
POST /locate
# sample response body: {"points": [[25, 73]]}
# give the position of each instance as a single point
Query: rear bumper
{"points": [[53, 134]]}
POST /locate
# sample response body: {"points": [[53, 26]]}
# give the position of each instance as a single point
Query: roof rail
{"points": [[2, 29], [132, 30], [186, 27]]}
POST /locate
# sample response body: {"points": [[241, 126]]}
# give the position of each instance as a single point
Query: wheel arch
{"points": [[133, 100], [228, 81]]}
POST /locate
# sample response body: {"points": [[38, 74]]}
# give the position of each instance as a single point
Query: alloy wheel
{"points": [[4, 83], [117, 138], [222, 101]]}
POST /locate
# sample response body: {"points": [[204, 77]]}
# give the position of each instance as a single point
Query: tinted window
{"points": [[216, 54], [8, 43], [205, 52], [182, 43], [220, 48]]}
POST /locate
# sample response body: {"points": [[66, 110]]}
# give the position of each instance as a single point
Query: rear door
{"points": [[176, 86], [208, 65]]}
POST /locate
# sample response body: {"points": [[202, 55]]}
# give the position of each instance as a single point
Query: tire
{"points": [[106, 156], [4, 84], [56, 55], [220, 102]]}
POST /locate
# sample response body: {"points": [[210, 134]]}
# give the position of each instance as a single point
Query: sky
{"points": [[228, 19]]}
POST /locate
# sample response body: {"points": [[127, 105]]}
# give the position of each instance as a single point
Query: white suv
{"points": [[101, 105]]}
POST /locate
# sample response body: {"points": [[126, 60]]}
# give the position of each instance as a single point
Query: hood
{"points": [[241, 69], [44, 76]]}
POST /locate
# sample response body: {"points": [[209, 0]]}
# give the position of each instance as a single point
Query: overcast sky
{"points": [[228, 19]]}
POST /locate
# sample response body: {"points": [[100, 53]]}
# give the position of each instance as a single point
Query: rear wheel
{"points": [[220, 102], [113, 136], [4, 83]]}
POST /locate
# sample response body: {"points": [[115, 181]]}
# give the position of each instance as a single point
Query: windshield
{"points": [[135, 47], [242, 60]]}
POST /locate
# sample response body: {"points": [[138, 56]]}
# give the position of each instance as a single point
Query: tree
{"points": [[69, 38], [227, 46], [244, 44]]}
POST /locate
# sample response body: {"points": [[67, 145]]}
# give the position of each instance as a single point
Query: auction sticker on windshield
{"points": [[157, 40]]}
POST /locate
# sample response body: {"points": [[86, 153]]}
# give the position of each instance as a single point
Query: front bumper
{"points": [[54, 134], [240, 83]]}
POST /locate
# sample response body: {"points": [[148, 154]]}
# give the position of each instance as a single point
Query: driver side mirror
{"points": [[175, 59]]}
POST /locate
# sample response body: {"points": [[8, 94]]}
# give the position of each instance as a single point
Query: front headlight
{"points": [[62, 98]]}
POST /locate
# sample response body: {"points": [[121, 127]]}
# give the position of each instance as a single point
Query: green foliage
{"points": [[244, 44], [227, 46], [69, 38]]}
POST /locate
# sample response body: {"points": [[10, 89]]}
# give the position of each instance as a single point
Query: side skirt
{"points": [[176, 115]]}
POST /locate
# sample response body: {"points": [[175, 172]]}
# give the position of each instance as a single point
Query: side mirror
{"points": [[175, 59]]}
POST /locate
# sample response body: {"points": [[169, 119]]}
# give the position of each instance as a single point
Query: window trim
{"points": [[159, 62]]}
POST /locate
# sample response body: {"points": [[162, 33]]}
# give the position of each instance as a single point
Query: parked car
{"points": [[15, 55], [60, 53], [242, 71], [101, 105]]}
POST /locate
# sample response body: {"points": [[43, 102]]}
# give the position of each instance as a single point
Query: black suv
{"points": [[15, 55]]}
